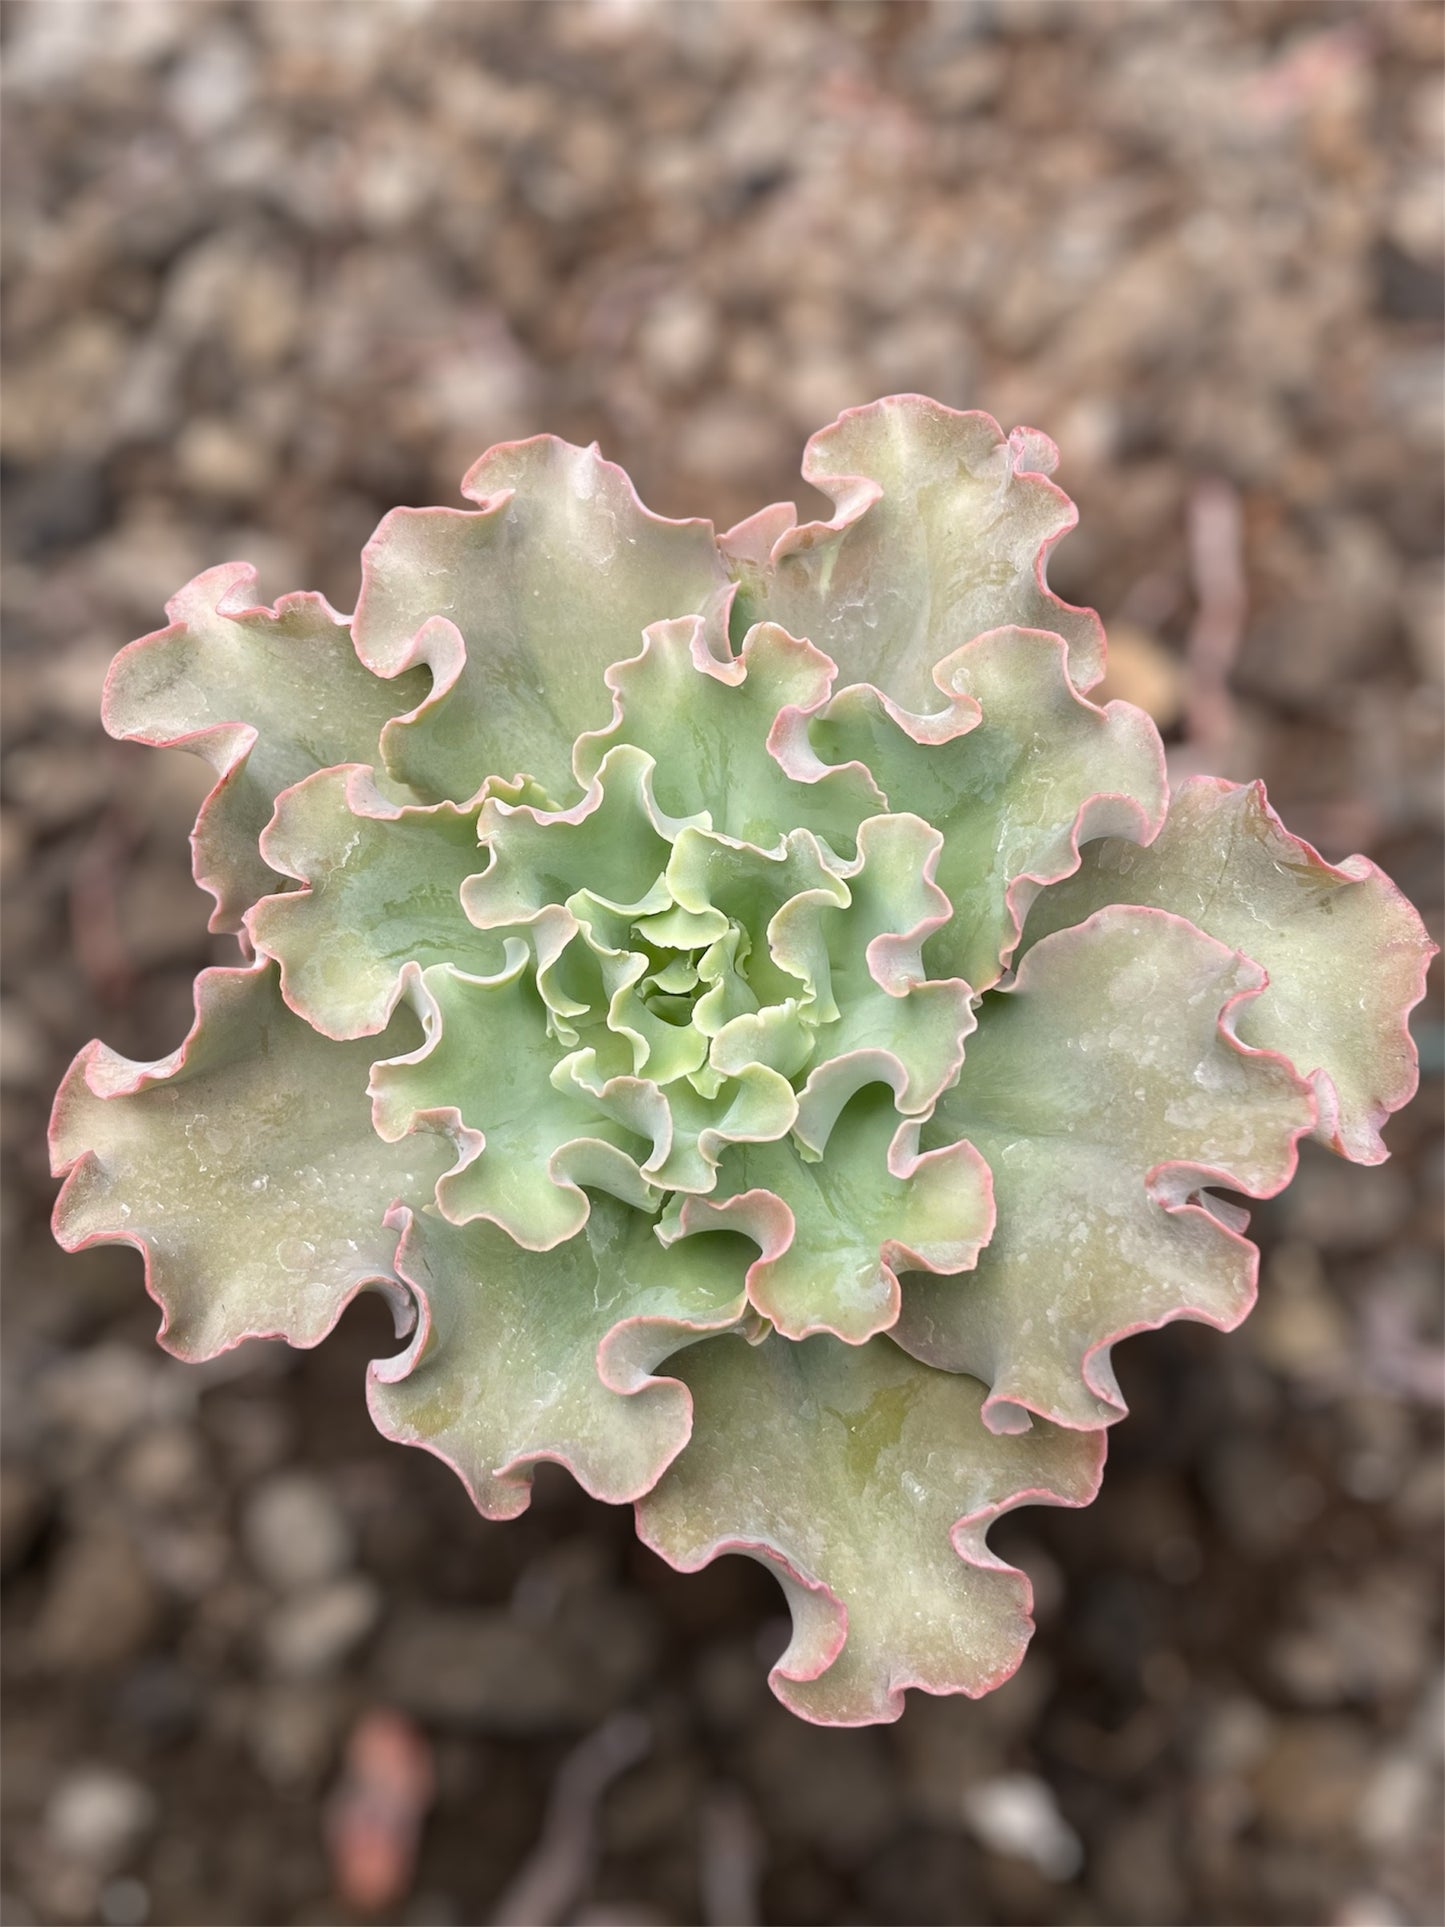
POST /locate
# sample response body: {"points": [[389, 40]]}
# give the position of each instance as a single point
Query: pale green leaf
{"points": [[867, 1482], [521, 606], [529, 1135], [940, 528], [1105, 1090], [837, 1226], [266, 696], [383, 890], [521, 1356], [1040, 772], [244, 1166], [1346, 953], [706, 725]]}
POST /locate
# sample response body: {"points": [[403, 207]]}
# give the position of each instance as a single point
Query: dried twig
{"points": [[731, 1853], [1216, 554], [555, 1872]]}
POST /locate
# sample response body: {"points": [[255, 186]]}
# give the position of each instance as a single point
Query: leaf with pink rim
{"points": [[521, 1356], [941, 529], [1107, 1089], [381, 889], [835, 1229], [707, 726], [1346, 952], [526, 601], [866, 1481], [244, 1166], [1012, 797], [265, 696]]}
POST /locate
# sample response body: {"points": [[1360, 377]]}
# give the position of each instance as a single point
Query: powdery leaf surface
{"points": [[707, 727], [940, 529], [520, 606], [244, 1166], [1104, 1089], [1346, 953], [867, 1482], [383, 889], [836, 1228], [266, 696], [1013, 794], [504, 1368], [527, 1140]]}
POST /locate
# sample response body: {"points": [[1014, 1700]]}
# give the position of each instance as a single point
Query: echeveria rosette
{"points": [[765, 1028]]}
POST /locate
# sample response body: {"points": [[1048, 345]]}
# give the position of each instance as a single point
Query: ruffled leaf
{"points": [[520, 607], [1346, 953], [529, 1132], [243, 1166], [1104, 1090], [861, 960], [383, 889], [520, 1356], [706, 724], [867, 1482], [1014, 795], [611, 847], [265, 696], [836, 1228], [940, 530]]}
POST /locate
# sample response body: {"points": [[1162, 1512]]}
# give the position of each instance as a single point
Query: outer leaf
{"points": [[1015, 796], [1104, 1089], [940, 530], [520, 607], [266, 696], [243, 1166], [520, 1356], [836, 1230], [868, 1483], [1346, 953], [383, 890]]}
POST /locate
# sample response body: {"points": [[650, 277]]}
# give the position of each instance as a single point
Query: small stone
{"points": [[1142, 671], [163, 1467], [103, 1394], [1311, 1782], [1367, 1910], [295, 1533], [483, 1671], [1017, 1815], [24, 1503], [678, 336], [98, 1816], [311, 1633], [100, 1607], [218, 458], [1397, 1804], [293, 1730], [125, 1902]]}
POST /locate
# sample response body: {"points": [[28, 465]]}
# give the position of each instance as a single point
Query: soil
{"points": [[271, 269]]}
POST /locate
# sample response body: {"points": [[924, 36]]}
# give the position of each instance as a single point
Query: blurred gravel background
{"points": [[272, 268]]}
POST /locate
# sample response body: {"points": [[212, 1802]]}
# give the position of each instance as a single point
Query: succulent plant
{"points": [[769, 1034]]}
